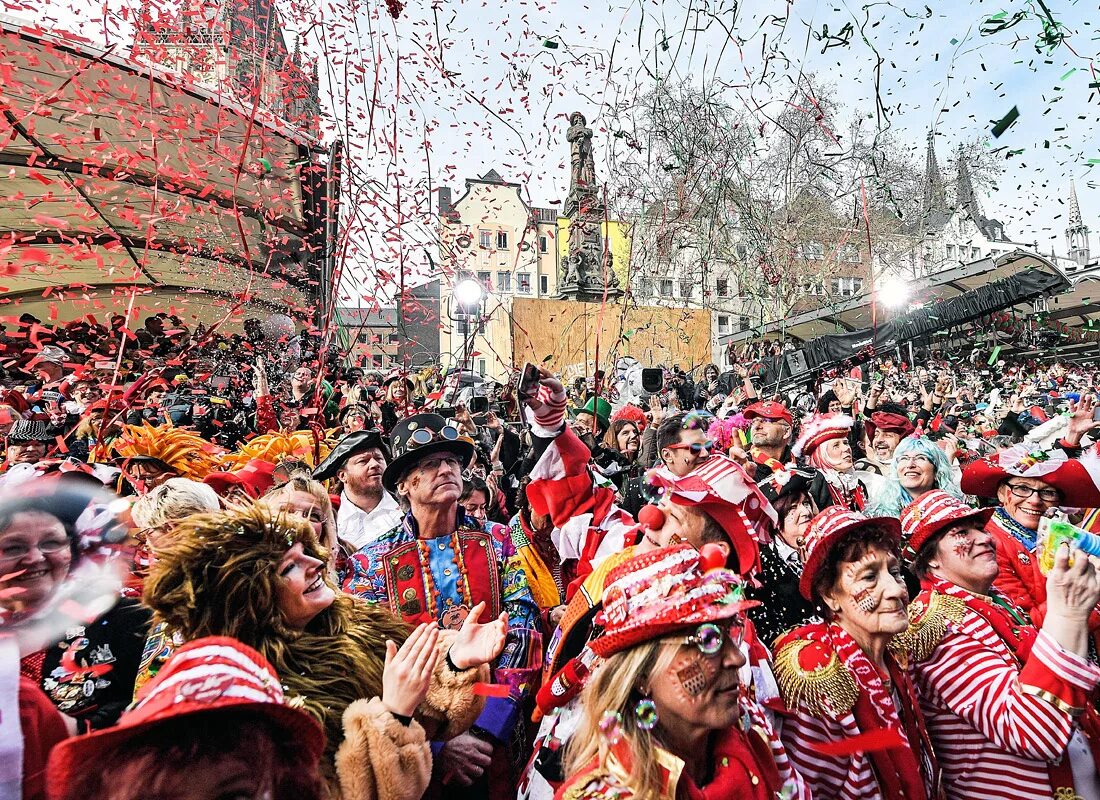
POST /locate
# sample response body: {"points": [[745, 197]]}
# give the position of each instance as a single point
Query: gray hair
{"points": [[173, 500]]}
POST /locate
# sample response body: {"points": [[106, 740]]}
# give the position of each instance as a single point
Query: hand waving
{"points": [[478, 643]]}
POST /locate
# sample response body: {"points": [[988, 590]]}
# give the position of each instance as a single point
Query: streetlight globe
{"points": [[894, 293], [468, 292]]}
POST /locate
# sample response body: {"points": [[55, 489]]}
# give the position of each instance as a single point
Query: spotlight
{"points": [[468, 293], [893, 293]]}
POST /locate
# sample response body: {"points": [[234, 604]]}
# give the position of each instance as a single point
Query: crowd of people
{"points": [[232, 567]]}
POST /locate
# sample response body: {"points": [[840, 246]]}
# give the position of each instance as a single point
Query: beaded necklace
{"points": [[423, 552]]}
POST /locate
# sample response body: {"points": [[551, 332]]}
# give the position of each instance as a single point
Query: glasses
{"points": [[17, 550], [696, 448], [914, 458], [710, 637], [1024, 492], [694, 420], [424, 436]]}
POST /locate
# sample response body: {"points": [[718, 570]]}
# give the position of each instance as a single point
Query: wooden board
{"points": [[570, 333]]}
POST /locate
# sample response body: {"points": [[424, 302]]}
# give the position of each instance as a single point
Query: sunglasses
{"points": [[696, 448], [710, 637]]}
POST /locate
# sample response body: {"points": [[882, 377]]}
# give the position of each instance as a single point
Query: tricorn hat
{"points": [[348, 446]]}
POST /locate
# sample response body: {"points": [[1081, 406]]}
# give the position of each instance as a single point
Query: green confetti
{"points": [[1094, 161], [954, 41], [993, 356], [1005, 122], [265, 163], [550, 44], [1001, 15], [1072, 70]]}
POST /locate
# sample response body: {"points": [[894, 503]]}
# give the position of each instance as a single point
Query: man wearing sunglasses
{"points": [[683, 444]]}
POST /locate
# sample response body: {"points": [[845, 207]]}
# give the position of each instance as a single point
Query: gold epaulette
{"points": [[814, 679], [592, 787], [928, 625]]}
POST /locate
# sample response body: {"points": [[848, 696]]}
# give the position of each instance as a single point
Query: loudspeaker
{"points": [[653, 379], [796, 362]]}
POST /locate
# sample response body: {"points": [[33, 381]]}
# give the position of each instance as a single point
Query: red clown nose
{"points": [[651, 518]]}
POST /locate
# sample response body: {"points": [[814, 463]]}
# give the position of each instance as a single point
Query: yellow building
{"points": [[513, 250]]}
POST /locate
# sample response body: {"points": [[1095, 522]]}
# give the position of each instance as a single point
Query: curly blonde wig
{"points": [[218, 576]]}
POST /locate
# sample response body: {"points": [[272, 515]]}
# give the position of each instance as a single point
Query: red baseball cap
{"points": [[768, 409], [214, 673]]}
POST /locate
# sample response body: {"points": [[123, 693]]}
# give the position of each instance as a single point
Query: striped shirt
{"points": [[994, 728]]}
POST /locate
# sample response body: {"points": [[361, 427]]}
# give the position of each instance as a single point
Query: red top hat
{"points": [[826, 530], [214, 673], [1053, 467], [768, 409], [255, 477], [660, 592], [931, 513]]}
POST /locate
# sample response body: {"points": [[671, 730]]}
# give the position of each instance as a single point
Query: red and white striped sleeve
{"points": [[847, 777], [551, 413], [1009, 706]]}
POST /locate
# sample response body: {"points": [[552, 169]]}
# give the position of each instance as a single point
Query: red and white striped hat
{"points": [[818, 429], [660, 592], [214, 673], [931, 513], [827, 529]]}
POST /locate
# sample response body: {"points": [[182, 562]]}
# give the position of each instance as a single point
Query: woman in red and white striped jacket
{"points": [[851, 722], [1006, 704]]}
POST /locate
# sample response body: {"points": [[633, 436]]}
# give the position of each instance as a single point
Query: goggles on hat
{"points": [[423, 436], [711, 637], [696, 448]]}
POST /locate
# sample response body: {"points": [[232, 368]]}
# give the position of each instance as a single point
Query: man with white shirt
{"points": [[366, 509]]}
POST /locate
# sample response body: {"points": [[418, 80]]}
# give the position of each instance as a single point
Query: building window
{"points": [[544, 245], [975, 253], [950, 251], [814, 251], [742, 252], [504, 281], [846, 287], [664, 287], [523, 282], [743, 323], [376, 360], [686, 288], [394, 338], [544, 284], [722, 287], [502, 240], [851, 253], [481, 367], [485, 239], [723, 324], [485, 279]]}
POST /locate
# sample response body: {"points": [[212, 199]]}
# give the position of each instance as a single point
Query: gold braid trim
{"points": [[593, 787], [928, 625], [826, 691]]}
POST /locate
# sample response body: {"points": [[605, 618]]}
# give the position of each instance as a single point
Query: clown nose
{"points": [[651, 518], [711, 556]]}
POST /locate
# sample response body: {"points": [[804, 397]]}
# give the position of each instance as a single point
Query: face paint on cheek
{"points": [[962, 546], [865, 600], [694, 673]]}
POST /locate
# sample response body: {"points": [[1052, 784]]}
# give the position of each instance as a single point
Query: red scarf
{"points": [[899, 770], [1010, 623]]}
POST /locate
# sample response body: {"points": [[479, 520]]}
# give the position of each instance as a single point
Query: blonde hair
{"points": [[172, 501], [303, 482], [616, 687]]}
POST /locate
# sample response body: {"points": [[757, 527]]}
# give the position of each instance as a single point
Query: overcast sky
{"points": [[447, 91]]}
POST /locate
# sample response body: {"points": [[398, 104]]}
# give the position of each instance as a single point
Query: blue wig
{"points": [[892, 497]]}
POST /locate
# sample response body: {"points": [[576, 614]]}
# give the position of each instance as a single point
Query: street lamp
{"points": [[468, 294]]}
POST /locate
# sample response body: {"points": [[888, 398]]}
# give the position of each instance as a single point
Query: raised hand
{"points": [[1081, 421], [407, 672], [478, 643]]}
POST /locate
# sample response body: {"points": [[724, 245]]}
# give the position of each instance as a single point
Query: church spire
{"points": [[1077, 233], [934, 198], [965, 197]]}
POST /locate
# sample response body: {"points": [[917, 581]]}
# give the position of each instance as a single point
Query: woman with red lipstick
{"points": [[851, 723]]}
